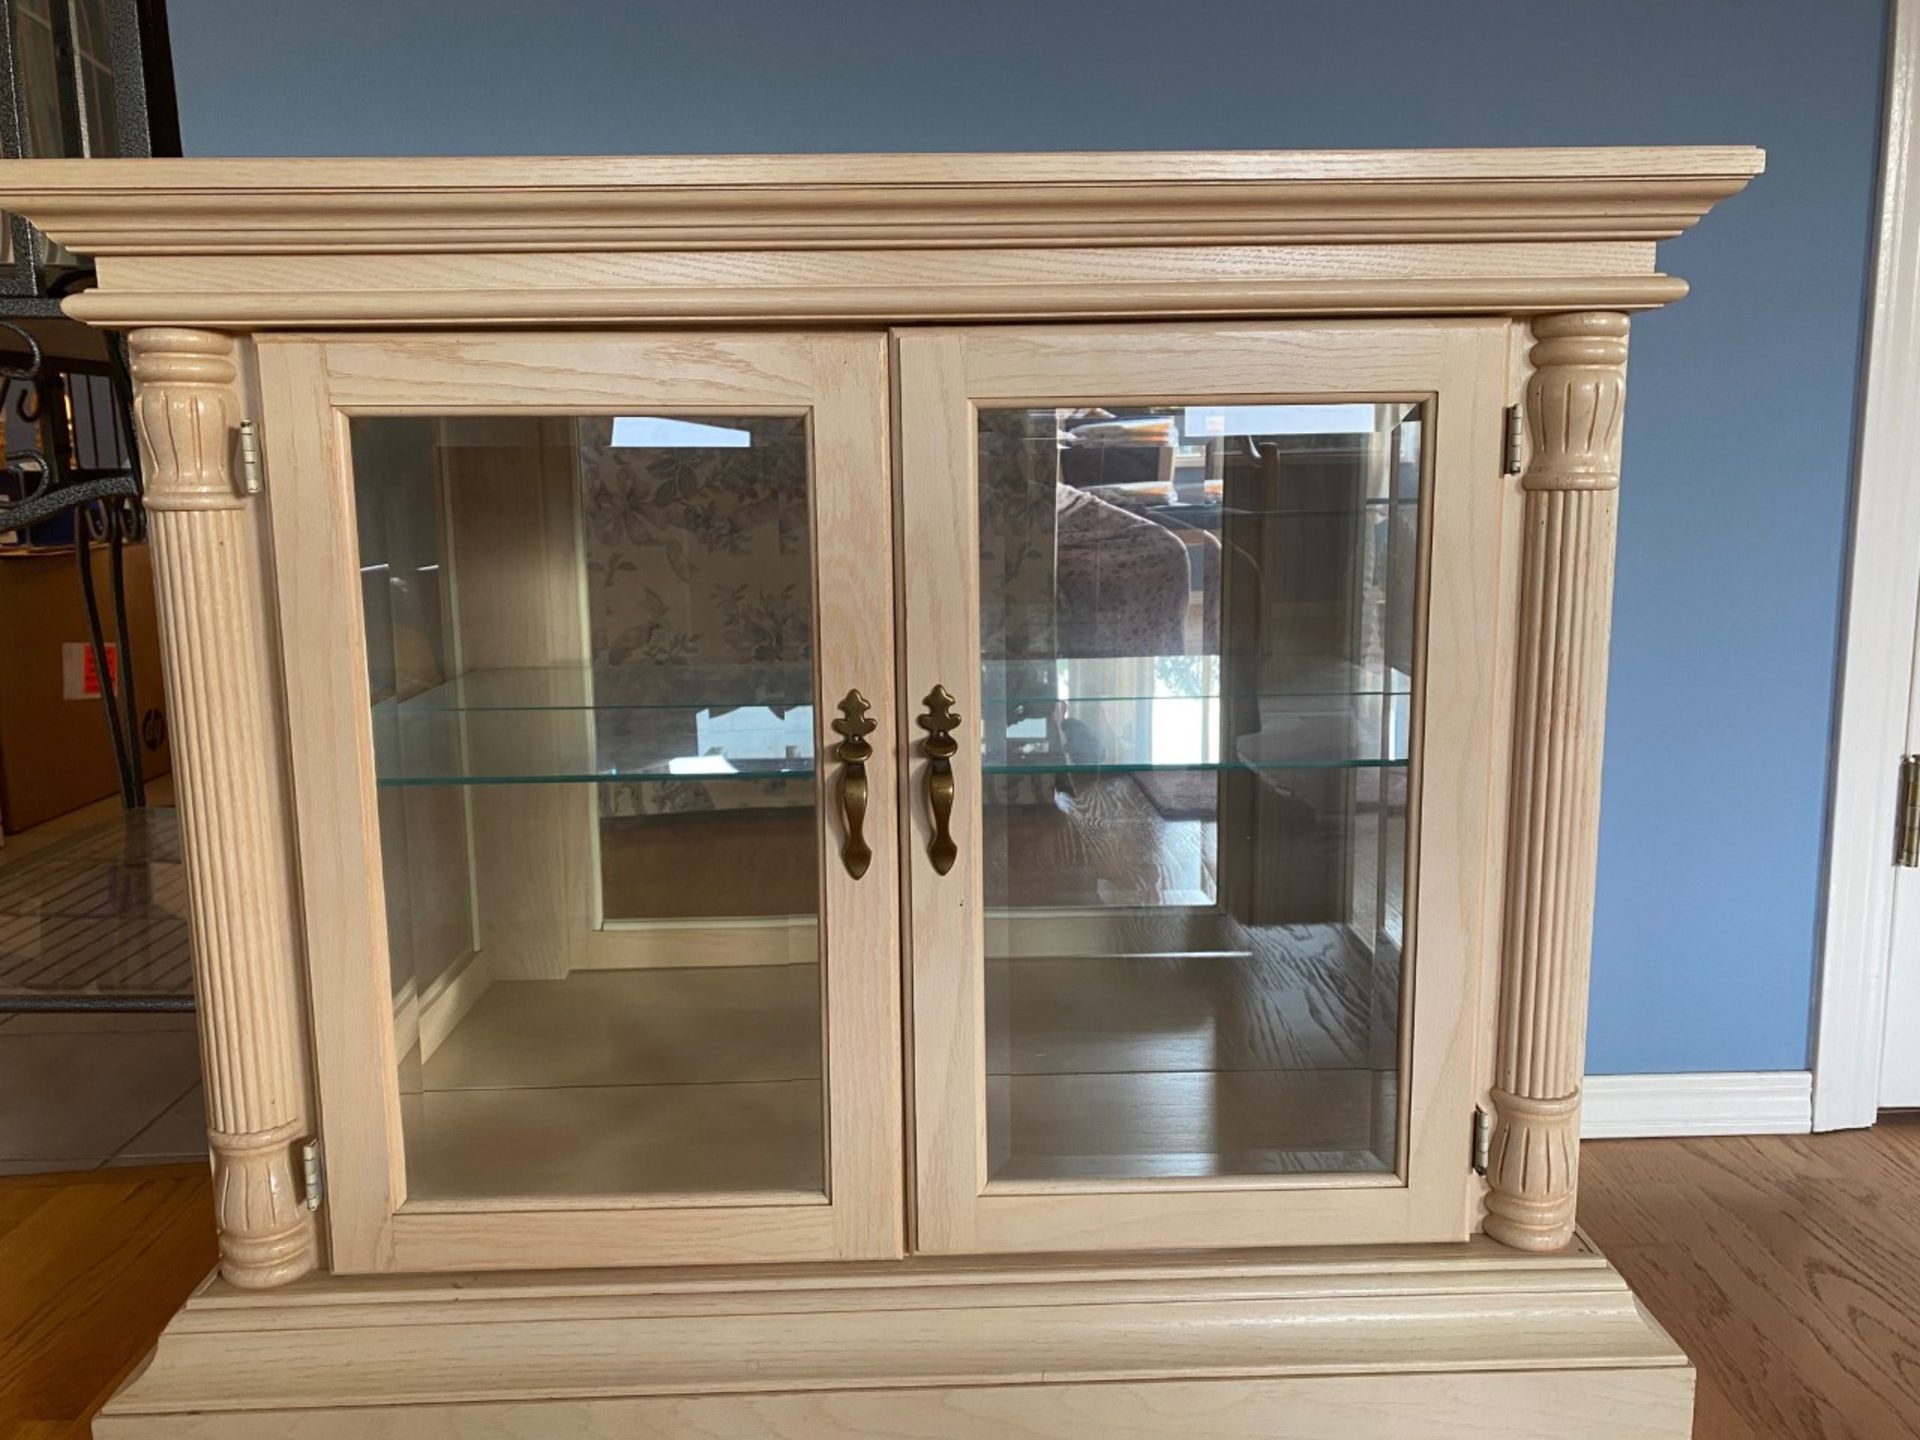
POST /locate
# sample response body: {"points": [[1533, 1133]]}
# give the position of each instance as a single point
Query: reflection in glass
{"points": [[64, 94], [589, 648], [64, 55], [1197, 679]]}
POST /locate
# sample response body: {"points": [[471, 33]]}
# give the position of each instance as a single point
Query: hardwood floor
{"points": [[1788, 1267], [91, 1266]]}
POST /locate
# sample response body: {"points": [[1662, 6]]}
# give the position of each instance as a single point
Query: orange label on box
{"points": [[80, 676]]}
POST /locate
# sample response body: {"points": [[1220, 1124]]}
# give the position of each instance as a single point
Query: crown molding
{"points": [[241, 207], [165, 231]]}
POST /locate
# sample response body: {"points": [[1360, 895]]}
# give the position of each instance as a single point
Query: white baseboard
{"points": [[1755, 1102]]}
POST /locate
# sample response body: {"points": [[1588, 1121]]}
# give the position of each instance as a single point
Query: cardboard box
{"points": [[55, 750]]}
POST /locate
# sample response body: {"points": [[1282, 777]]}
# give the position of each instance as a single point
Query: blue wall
{"points": [[1740, 427]]}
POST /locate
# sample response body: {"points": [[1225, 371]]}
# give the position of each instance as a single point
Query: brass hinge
{"points": [[1516, 437], [1907, 842], [313, 1178], [250, 467], [1482, 1140]]}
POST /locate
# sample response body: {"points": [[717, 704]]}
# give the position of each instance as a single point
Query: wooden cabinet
{"points": [[910, 794]]}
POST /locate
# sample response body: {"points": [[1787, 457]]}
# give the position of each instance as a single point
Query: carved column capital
{"points": [[1576, 398], [186, 411], [1575, 402]]}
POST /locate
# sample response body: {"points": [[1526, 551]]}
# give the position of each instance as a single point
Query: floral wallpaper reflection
{"points": [[698, 581]]}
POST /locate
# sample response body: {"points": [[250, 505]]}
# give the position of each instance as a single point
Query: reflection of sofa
{"points": [[1121, 582]]}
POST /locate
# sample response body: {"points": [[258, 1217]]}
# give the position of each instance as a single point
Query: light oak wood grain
{"points": [[828, 286], [811, 239], [1576, 401], [222, 689], [507, 304], [712, 273], [780, 201], [530, 608], [941, 371], [807, 1342], [426, 262], [330, 745], [1595, 1405], [1761, 1256]]}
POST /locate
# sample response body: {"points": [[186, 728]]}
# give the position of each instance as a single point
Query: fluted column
{"points": [[1574, 407], [220, 699]]}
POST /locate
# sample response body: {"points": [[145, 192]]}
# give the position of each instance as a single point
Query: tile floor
{"points": [[85, 1091], [78, 1092], [97, 908]]}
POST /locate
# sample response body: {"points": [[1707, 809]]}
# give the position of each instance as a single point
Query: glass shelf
{"points": [[656, 744], [1176, 677], [575, 725], [619, 687], [1013, 682]]}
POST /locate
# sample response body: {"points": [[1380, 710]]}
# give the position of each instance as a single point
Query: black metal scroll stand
{"points": [[106, 506], [46, 481]]}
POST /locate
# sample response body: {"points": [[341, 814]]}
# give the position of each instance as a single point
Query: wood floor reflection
{"points": [[683, 1081], [1133, 1028]]}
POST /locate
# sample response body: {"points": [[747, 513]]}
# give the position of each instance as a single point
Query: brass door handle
{"points": [[940, 747], [853, 752]]}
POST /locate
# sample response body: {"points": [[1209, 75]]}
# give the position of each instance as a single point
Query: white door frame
{"points": [[1877, 675]]}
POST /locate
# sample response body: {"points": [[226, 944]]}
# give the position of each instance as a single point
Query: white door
{"points": [[1869, 990], [1900, 1055]]}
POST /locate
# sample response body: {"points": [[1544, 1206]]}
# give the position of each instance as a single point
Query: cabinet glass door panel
{"points": [[637, 1006], [589, 654], [1196, 670], [1180, 984]]}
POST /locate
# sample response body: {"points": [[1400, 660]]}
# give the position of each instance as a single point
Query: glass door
{"points": [[609, 652], [1197, 657]]}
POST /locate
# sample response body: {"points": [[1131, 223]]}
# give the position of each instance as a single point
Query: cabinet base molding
{"points": [[1380, 1343]]}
